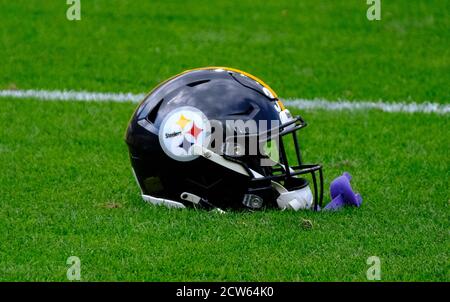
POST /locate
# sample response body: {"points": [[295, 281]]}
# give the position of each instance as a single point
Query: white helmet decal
{"points": [[181, 129]]}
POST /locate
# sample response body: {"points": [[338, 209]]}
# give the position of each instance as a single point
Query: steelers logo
{"points": [[181, 129]]}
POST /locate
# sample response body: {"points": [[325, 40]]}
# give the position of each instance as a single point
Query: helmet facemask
{"points": [[274, 164]]}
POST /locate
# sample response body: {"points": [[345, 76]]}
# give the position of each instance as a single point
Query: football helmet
{"points": [[216, 138]]}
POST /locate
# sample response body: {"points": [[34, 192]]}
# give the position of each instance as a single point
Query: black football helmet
{"points": [[215, 138]]}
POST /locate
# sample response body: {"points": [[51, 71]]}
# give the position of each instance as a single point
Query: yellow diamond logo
{"points": [[183, 121]]}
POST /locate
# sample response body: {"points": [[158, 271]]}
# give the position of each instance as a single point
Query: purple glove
{"points": [[342, 193]]}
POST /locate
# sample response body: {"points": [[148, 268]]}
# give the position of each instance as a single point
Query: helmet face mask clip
{"points": [[214, 138]]}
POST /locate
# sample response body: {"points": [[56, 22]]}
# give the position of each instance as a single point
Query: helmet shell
{"points": [[221, 94]]}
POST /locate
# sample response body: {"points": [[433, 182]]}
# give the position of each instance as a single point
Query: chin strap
{"points": [[220, 160], [198, 201]]}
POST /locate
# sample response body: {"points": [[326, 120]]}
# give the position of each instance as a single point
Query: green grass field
{"points": [[66, 186]]}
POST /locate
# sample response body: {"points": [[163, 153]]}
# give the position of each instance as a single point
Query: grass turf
{"points": [[67, 189], [65, 183], [302, 48]]}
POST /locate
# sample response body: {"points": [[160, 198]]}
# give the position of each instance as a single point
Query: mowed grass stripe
{"points": [[70, 95]]}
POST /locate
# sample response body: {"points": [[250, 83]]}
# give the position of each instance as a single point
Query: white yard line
{"points": [[365, 105], [56, 95], [69, 95]]}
